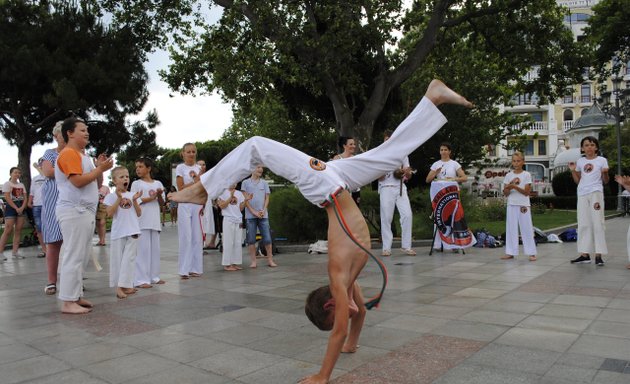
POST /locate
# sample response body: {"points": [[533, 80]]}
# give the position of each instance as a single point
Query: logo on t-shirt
{"points": [[588, 167], [125, 203], [17, 193], [233, 200], [192, 174], [317, 164], [516, 181], [152, 192]]}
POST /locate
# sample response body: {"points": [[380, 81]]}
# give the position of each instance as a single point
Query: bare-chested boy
{"points": [[331, 307]]}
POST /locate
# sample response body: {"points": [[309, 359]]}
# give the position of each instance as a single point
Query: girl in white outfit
{"points": [[232, 203], [188, 217], [517, 185], [590, 173]]}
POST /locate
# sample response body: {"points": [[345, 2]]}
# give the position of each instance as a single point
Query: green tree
{"points": [[341, 61], [59, 59], [609, 35]]}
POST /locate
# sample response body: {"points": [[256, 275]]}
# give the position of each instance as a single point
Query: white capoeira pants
{"points": [[148, 259], [519, 217], [232, 243], [122, 257], [190, 243], [591, 224], [391, 198], [318, 180], [77, 228], [207, 221]]}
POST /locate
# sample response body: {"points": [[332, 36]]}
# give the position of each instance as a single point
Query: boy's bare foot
{"points": [[439, 93], [238, 267], [161, 282], [271, 263], [73, 308], [532, 258], [129, 291], [184, 277], [196, 194], [507, 257], [84, 303], [229, 268], [349, 348], [253, 265], [120, 293], [145, 285], [194, 274]]}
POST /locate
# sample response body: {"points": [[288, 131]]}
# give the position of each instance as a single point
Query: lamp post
{"points": [[621, 103]]}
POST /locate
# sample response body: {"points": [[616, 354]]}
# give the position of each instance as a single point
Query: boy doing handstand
{"points": [[327, 185], [123, 208]]}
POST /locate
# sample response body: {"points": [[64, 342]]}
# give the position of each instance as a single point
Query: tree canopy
{"points": [[59, 59], [609, 34]]}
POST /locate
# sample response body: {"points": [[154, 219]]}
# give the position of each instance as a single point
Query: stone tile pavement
{"points": [[445, 319]]}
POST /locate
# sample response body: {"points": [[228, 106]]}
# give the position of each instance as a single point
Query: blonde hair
{"points": [[117, 170], [57, 128], [519, 154]]}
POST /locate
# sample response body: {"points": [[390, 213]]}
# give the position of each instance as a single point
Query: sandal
{"points": [[50, 289]]}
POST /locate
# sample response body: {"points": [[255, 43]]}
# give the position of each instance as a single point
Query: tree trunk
{"points": [[24, 162]]}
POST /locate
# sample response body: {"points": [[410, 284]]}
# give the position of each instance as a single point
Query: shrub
{"points": [[563, 184], [294, 217]]}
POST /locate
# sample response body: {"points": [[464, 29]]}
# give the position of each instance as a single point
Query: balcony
{"points": [[531, 128], [585, 99], [566, 125], [569, 99]]}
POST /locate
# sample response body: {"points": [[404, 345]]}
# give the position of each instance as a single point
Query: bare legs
{"points": [[439, 93]]}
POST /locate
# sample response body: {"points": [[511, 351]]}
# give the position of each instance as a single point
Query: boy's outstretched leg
{"points": [[195, 194]]}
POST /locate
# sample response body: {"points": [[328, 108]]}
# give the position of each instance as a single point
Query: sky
{"points": [[183, 118]]}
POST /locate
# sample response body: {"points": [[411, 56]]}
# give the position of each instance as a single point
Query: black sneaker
{"points": [[598, 261], [581, 260]]}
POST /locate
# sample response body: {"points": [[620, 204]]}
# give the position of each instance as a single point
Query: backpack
{"points": [[485, 240], [568, 235]]}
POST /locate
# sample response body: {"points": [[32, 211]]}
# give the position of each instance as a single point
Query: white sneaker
{"points": [[386, 253], [408, 251]]}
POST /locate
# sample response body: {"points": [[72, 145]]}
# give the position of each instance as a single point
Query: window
{"points": [[627, 69], [542, 147], [529, 148], [537, 171], [567, 115], [568, 96], [586, 93]]}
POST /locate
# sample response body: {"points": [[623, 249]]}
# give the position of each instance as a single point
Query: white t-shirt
{"points": [[389, 180], [449, 169], [521, 180], [36, 189], [186, 172], [150, 217], [70, 196], [590, 175], [125, 221], [17, 191], [232, 212]]}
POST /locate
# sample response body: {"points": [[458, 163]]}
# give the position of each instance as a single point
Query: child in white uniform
{"points": [[123, 208], [147, 269], [232, 203], [517, 185], [590, 173], [624, 181], [188, 217]]}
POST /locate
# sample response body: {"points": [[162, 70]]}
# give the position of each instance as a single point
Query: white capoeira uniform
{"points": [[147, 269], [519, 215], [232, 231], [393, 194], [124, 240], [590, 206], [317, 180], [207, 221], [189, 227]]}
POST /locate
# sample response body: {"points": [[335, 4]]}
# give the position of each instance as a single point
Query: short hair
{"points": [[117, 170], [57, 128], [146, 161], [446, 144], [519, 154], [388, 133], [69, 125], [314, 308], [593, 140], [12, 169]]}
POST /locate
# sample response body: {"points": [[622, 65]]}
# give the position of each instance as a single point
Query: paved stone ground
{"points": [[445, 319]]}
